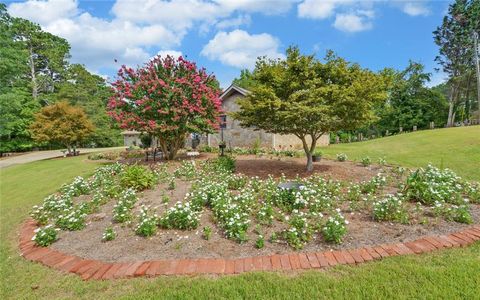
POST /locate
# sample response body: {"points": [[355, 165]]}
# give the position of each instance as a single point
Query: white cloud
{"points": [[415, 9], [317, 9], [352, 23], [234, 22], [240, 49], [173, 53], [44, 12]]}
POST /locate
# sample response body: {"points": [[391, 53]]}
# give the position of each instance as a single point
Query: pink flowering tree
{"points": [[167, 98]]}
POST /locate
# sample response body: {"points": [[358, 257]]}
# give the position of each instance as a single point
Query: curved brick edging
{"points": [[95, 269]]}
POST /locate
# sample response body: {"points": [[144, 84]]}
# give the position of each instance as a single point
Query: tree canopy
{"points": [[61, 123], [302, 96], [167, 98]]}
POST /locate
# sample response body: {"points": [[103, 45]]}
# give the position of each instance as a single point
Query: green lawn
{"points": [[449, 274], [455, 148]]}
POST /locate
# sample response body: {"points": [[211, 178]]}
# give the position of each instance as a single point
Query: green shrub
{"points": [[342, 157], [138, 178], [335, 228], [109, 234], [147, 222], [181, 216], [207, 232], [45, 236], [260, 242], [391, 208], [366, 161], [224, 163]]}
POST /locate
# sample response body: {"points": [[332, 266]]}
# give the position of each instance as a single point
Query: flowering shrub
{"points": [[121, 210], [335, 228], [147, 222], [342, 157], [224, 163], [374, 184], [366, 161], [181, 216], [299, 231], [79, 186], [265, 214], [45, 236], [391, 208], [71, 219], [233, 218], [236, 182], [109, 234], [459, 213], [187, 170], [138, 177]]}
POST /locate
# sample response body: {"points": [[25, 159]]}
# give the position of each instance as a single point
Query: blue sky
{"points": [[225, 36]]}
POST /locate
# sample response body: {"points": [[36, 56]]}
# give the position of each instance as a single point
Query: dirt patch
{"points": [[362, 230]]}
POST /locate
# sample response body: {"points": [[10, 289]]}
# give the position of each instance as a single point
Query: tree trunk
{"points": [[450, 114], [309, 162], [34, 77], [309, 150]]}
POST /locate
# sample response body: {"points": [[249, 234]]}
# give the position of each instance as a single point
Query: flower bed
{"points": [[210, 212]]}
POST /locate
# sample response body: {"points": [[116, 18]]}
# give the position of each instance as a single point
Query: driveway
{"points": [[40, 155]]}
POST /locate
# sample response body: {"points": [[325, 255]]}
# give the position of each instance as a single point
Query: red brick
{"points": [[267, 263], [451, 241], [356, 256], [323, 261], [427, 244], [37, 253], [142, 269], [473, 233], [285, 261], [229, 266], [463, 237], [434, 242], [389, 249], [121, 271], [348, 257], [112, 271], [373, 253], [365, 255], [217, 266], [276, 263], [381, 252], [257, 263], [304, 263], [239, 265], [100, 272], [79, 265], [248, 264], [67, 266], [313, 260], [133, 268], [53, 258], [167, 267], [332, 261], [412, 246], [459, 241], [64, 261], [402, 249], [202, 266], [294, 261], [152, 269], [443, 242], [90, 272], [339, 257], [26, 253], [87, 267]]}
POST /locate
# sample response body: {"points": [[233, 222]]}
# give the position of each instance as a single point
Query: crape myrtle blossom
{"points": [[168, 98]]}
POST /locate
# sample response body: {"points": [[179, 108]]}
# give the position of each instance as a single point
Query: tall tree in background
{"points": [[245, 80], [455, 40], [307, 98], [61, 123]]}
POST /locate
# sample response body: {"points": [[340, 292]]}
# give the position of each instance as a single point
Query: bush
{"points": [[366, 161], [391, 208], [109, 234], [224, 163], [45, 236], [121, 210], [299, 231], [335, 228], [138, 178], [104, 155], [207, 232], [181, 216], [260, 243], [147, 222], [71, 219], [342, 157]]}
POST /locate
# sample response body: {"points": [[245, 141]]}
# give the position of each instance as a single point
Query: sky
{"points": [[225, 36]]}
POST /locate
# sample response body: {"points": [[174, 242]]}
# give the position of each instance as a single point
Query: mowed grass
{"points": [[448, 274], [456, 148]]}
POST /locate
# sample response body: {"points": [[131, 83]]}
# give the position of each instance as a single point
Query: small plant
{"points": [[225, 163], [366, 161], [342, 157], [460, 214], [391, 208], [260, 243], [335, 228], [147, 222], [274, 237], [265, 214], [71, 219], [299, 231], [207, 232], [172, 184], [382, 161], [109, 234], [138, 177], [45, 236], [181, 216], [121, 210], [165, 199]]}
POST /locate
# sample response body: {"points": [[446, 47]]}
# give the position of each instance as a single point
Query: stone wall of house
{"points": [[131, 140], [236, 136]]}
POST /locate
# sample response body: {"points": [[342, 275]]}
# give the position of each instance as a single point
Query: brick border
{"points": [[94, 269]]}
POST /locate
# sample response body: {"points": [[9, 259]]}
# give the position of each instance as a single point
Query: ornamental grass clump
{"points": [[335, 228], [391, 208], [45, 236], [147, 222]]}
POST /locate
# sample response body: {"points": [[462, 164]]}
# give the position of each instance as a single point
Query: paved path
{"points": [[40, 155]]}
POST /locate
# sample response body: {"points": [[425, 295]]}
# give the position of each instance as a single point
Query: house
{"points": [[233, 134], [236, 136]]}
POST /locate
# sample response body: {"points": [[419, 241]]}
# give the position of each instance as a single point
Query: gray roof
{"points": [[232, 89]]}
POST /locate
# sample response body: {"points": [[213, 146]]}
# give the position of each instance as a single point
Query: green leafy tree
{"points": [[456, 51], [61, 123], [307, 98], [245, 80]]}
